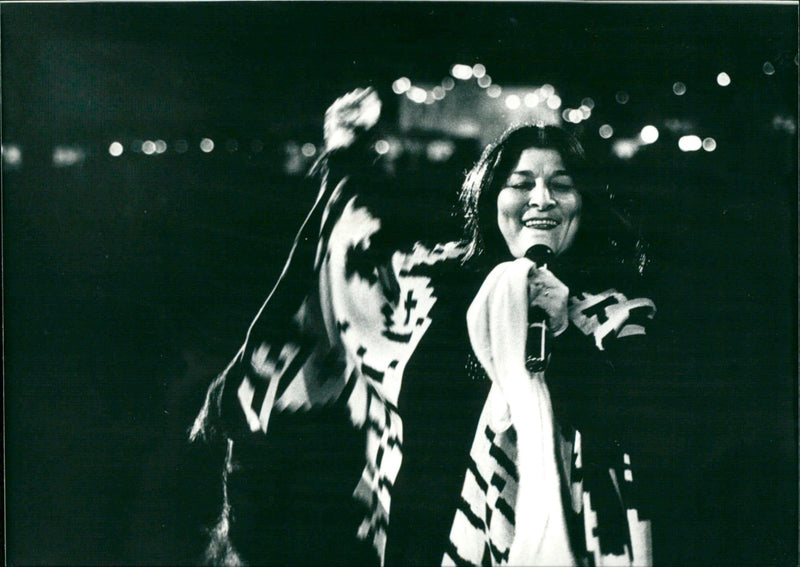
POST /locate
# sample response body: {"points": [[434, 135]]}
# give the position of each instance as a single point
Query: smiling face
{"points": [[538, 203]]}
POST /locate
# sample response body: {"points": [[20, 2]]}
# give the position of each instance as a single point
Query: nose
{"points": [[540, 196]]}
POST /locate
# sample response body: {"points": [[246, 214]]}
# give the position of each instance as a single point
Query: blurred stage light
{"points": [[382, 147], [115, 149], [575, 116], [588, 102], [401, 85], [429, 97], [181, 146], [478, 70], [448, 83], [690, 143], [586, 111], [605, 131], [64, 156], [709, 144], [417, 94], [784, 123], [554, 102], [136, 146], [625, 149], [148, 147], [207, 145], [308, 149], [547, 90], [649, 134], [494, 91], [438, 92], [12, 155], [679, 88], [463, 72], [484, 81], [768, 68], [161, 146], [622, 97], [531, 100], [440, 150], [723, 79], [513, 102]]}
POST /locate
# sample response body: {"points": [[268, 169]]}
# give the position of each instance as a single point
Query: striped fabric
{"points": [[484, 527], [345, 329]]}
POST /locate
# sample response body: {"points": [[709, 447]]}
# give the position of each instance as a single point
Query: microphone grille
{"points": [[539, 254]]}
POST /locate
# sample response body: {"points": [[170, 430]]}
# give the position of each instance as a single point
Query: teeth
{"points": [[541, 223]]}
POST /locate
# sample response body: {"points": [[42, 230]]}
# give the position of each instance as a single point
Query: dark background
{"points": [[130, 281]]}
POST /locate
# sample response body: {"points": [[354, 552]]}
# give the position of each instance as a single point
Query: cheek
{"points": [[508, 204]]}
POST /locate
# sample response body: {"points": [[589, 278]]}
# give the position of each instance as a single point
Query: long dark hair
{"points": [[607, 251]]}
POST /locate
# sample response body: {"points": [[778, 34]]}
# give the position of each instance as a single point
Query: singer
{"points": [[381, 409], [557, 257]]}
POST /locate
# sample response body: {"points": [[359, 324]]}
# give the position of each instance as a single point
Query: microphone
{"points": [[536, 344]]}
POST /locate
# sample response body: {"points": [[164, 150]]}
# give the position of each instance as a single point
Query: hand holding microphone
{"points": [[547, 306]]}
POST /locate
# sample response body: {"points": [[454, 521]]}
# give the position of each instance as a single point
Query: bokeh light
{"points": [[494, 91], [401, 85], [588, 102], [649, 134], [382, 147], [484, 81], [308, 149], [181, 146], [148, 147], [513, 102], [605, 131], [690, 143], [768, 68], [554, 102], [12, 155], [463, 72], [679, 88], [709, 144], [625, 149], [622, 97], [161, 146], [207, 145], [478, 70], [448, 83], [115, 149], [417, 94], [723, 79], [531, 100]]}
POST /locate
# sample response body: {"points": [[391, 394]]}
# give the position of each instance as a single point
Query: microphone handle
{"points": [[536, 343]]}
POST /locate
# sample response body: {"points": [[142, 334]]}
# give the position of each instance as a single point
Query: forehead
{"points": [[539, 161]]}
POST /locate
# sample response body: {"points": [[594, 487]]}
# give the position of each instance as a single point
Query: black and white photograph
{"points": [[400, 283]]}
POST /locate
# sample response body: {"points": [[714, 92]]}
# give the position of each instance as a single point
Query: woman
{"points": [[360, 367], [562, 484]]}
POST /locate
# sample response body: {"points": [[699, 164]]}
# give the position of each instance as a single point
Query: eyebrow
{"points": [[529, 173]]}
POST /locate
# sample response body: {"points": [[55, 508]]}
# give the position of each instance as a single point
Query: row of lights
{"points": [[545, 94], [158, 147], [626, 148]]}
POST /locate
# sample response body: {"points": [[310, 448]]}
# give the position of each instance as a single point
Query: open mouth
{"points": [[541, 224]]}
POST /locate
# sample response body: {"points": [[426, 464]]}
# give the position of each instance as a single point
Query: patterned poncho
{"points": [[349, 336]]}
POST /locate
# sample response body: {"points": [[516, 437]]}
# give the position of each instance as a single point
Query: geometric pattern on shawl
{"points": [[353, 333], [484, 524]]}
